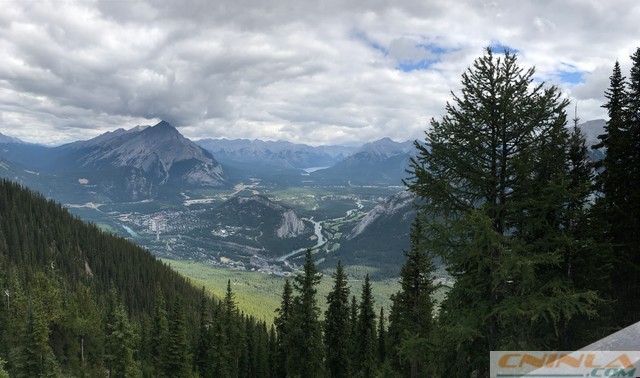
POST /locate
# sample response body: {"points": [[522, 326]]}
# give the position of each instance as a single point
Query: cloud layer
{"points": [[332, 72]]}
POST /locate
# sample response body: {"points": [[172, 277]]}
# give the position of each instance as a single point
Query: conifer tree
{"points": [[307, 352], [273, 352], [366, 333], [587, 259], [493, 180], [616, 181], [411, 319], [159, 335], [204, 338], [628, 235], [233, 326], [178, 363], [261, 360], [353, 332], [219, 356], [282, 324], [336, 327], [120, 341], [81, 324], [382, 338], [33, 356]]}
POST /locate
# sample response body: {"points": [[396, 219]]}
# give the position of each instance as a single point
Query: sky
{"points": [[325, 72]]}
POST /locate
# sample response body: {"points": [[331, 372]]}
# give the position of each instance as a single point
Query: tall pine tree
{"points": [[493, 180], [616, 182], [411, 319], [336, 327], [307, 352], [159, 335], [178, 363], [282, 324], [120, 341], [366, 341]]}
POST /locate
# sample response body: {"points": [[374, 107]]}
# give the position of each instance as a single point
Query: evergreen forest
{"points": [[542, 243]]}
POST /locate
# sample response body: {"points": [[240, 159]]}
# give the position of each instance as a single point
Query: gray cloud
{"points": [[321, 72]]}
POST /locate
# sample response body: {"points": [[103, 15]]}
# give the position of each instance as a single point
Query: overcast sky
{"points": [[324, 72]]}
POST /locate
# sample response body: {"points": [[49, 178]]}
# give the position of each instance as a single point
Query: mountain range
{"points": [[224, 192], [379, 163], [259, 155], [150, 162], [142, 163]]}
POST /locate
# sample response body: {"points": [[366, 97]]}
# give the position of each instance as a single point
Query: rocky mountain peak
{"points": [[163, 129], [145, 158], [394, 204], [387, 147]]}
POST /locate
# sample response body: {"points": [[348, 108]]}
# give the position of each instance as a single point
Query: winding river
{"points": [[317, 227]]}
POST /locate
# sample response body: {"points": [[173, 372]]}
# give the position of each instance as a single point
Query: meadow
{"points": [[259, 294]]}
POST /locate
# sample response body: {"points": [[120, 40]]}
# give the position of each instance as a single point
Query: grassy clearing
{"points": [[258, 294], [298, 198]]}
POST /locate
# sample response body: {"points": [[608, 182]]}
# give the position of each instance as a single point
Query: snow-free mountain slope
{"points": [[258, 223], [379, 238], [382, 162], [259, 154]]}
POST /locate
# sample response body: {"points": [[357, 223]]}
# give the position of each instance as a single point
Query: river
{"points": [[130, 231], [317, 228]]}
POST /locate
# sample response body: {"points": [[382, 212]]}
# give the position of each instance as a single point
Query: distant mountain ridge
{"points": [[7, 139], [274, 154], [382, 162]]}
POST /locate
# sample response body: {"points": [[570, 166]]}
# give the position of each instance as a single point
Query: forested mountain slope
{"points": [[77, 301]]}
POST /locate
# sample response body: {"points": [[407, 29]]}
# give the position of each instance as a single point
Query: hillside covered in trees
{"points": [[79, 302]]}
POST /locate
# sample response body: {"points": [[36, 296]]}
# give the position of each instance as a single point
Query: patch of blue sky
{"points": [[432, 53], [571, 77], [432, 56], [416, 66], [500, 48], [570, 74]]}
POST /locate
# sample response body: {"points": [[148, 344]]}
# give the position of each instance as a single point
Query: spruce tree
{"points": [[33, 356], [336, 327], [616, 181], [282, 324], [178, 363], [366, 333], [233, 326], [159, 335], [204, 338], [307, 353], [353, 332], [493, 180], [411, 319], [81, 324], [382, 338], [273, 352], [219, 356], [587, 259], [629, 304], [120, 341]]}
